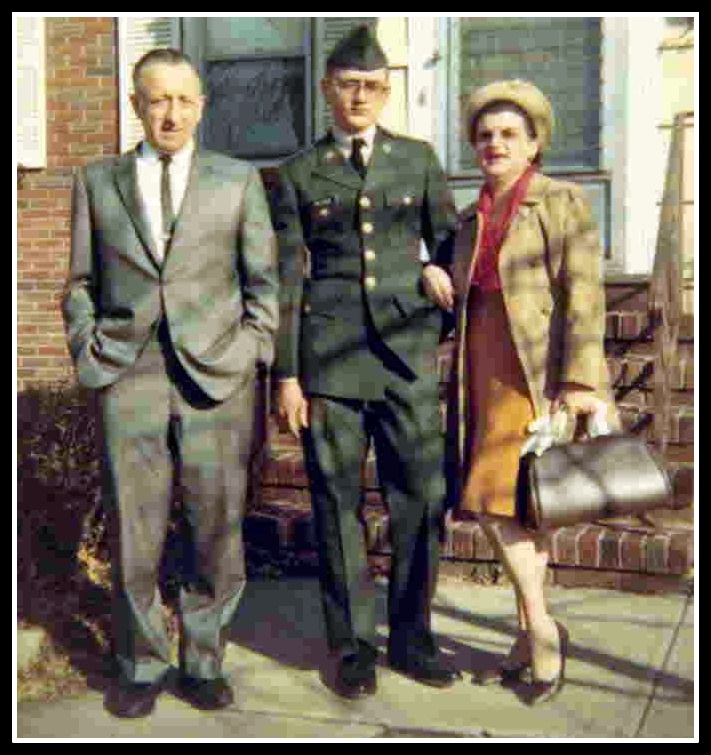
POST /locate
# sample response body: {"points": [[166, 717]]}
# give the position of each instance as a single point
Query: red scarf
{"points": [[493, 231]]}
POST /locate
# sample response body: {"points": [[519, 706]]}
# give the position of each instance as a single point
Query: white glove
{"points": [[552, 429], [597, 422], [541, 436]]}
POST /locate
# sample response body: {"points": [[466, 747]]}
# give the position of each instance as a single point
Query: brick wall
{"points": [[82, 125]]}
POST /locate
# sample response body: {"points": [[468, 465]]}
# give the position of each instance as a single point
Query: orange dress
{"points": [[499, 408]]}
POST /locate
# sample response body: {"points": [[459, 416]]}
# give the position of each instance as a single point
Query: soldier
{"points": [[363, 219]]}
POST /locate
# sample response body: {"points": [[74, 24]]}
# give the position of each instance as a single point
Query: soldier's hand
{"points": [[292, 406], [438, 286]]}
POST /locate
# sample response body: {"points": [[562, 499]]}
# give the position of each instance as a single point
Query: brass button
{"points": [[370, 282], [369, 255], [365, 202], [407, 200], [367, 228], [307, 308]]}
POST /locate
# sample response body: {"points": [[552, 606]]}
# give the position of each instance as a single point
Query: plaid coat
{"points": [[550, 266], [217, 285]]}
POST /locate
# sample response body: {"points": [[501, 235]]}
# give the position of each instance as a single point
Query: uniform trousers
{"points": [[404, 427], [160, 428]]}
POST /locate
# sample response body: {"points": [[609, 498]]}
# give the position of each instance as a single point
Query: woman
{"points": [[530, 315]]}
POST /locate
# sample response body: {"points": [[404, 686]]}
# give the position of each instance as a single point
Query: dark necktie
{"points": [[166, 198], [357, 156]]}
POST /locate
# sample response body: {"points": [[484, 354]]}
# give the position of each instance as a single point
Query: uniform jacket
{"points": [[217, 285], [550, 266], [350, 255]]}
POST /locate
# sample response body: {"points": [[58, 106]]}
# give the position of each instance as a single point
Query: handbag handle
{"points": [[593, 425], [555, 429]]}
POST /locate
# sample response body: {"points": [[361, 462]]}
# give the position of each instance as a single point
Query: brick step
{"points": [[283, 464], [639, 420], [630, 360], [631, 363], [282, 522], [640, 324], [624, 296], [633, 295], [635, 368], [680, 456]]}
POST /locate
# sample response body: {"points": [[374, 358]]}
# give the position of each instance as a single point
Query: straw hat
{"points": [[522, 93]]}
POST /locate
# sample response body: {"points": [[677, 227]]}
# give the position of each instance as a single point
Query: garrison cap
{"points": [[358, 50]]}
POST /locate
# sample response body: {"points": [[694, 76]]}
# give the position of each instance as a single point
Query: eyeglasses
{"points": [[351, 86]]}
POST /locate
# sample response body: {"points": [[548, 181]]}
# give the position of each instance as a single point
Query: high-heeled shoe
{"points": [[511, 668], [508, 672], [544, 690]]}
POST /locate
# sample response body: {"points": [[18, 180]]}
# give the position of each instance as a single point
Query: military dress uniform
{"points": [[361, 337]]}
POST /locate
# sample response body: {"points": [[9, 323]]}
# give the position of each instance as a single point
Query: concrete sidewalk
{"points": [[630, 673]]}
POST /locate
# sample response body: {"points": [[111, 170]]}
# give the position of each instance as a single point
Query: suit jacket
{"points": [[216, 286], [354, 317], [550, 266]]}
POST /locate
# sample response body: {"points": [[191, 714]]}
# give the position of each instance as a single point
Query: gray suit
{"points": [[216, 286], [172, 344]]}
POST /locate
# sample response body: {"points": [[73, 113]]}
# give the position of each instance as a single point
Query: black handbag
{"points": [[590, 479]]}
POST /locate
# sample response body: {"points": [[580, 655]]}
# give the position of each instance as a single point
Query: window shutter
{"points": [[136, 36], [328, 32], [31, 99]]}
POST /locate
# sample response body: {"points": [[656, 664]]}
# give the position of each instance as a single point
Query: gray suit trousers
{"points": [[156, 423]]}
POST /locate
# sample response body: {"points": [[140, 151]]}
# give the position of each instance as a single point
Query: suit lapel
{"points": [[127, 186]]}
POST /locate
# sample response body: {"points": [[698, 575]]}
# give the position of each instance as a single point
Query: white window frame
{"points": [[633, 145]]}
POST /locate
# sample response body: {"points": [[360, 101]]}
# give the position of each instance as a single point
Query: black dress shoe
{"points": [[416, 655], [355, 676], [130, 700], [425, 669], [205, 694]]}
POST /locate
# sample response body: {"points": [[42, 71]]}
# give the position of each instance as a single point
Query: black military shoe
{"points": [[205, 694], [355, 676], [418, 659], [131, 700], [427, 670]]}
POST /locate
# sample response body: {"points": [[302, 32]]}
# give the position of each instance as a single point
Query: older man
{"points": [[170, 306], [362, 219]]}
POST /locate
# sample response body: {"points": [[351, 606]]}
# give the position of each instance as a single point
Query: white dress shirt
{"points": [[148, 175], [344, 142]]}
